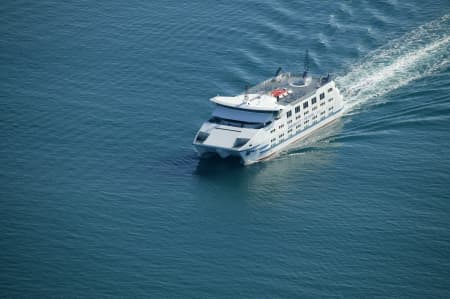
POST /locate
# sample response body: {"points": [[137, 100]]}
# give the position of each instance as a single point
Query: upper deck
{"points": [[274, 93]]}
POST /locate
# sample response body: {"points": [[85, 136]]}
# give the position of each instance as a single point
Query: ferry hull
{"points": [[208, 151], [255, 154]]}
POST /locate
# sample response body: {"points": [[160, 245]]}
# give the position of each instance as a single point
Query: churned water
{"points": [[101, 193]]}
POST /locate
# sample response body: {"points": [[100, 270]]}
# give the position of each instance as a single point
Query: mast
{"points": [[306, 64], [278, 71], [246, 93]]}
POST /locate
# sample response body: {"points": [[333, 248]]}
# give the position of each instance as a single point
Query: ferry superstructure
{"points": [[268, 117]]}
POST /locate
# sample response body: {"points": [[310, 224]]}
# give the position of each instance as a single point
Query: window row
{"points": [[306, 103]]}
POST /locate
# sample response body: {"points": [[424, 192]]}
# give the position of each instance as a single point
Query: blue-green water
{"points": [[101, 193]]}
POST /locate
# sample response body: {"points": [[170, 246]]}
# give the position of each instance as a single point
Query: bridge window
{"points": [[313, 101], [239, 124], [322, 96], [330, 89], [297, 109], [305, 105], [289, 114]]}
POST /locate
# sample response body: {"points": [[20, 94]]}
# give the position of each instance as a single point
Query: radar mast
{"points": [[306, 64]]}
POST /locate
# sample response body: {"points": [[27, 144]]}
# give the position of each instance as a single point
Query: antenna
{"points": [[278, 71], [246, 93], [306, 64]]}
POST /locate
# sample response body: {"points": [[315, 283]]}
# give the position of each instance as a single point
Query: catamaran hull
{"points": [[262, 152]]}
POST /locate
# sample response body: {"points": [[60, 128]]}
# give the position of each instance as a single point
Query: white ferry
{"points": [[268, 117]]}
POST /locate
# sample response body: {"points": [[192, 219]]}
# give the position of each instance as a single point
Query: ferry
{"points": [[268, 117]]}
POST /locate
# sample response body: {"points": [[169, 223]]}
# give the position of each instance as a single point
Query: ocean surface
{"points": [[102, 194]]}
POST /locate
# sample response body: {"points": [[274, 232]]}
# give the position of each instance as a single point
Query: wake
{"points": [[413, 56]]}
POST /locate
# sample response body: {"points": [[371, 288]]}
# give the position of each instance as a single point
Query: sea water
{"points": [[102, 194]]}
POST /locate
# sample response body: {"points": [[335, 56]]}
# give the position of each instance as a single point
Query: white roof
{"points": [[242, 115], [253, 102]]}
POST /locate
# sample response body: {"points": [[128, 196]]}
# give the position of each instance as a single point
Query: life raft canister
{"points": [[279, 92]]}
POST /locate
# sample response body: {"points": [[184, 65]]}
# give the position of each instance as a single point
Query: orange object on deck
{"points": [[279, 92]]}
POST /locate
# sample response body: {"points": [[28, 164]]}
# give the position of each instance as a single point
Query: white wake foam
{"points": [[410, 57]]}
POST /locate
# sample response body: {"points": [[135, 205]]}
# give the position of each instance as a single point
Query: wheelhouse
{"points": [[241, 118]]}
